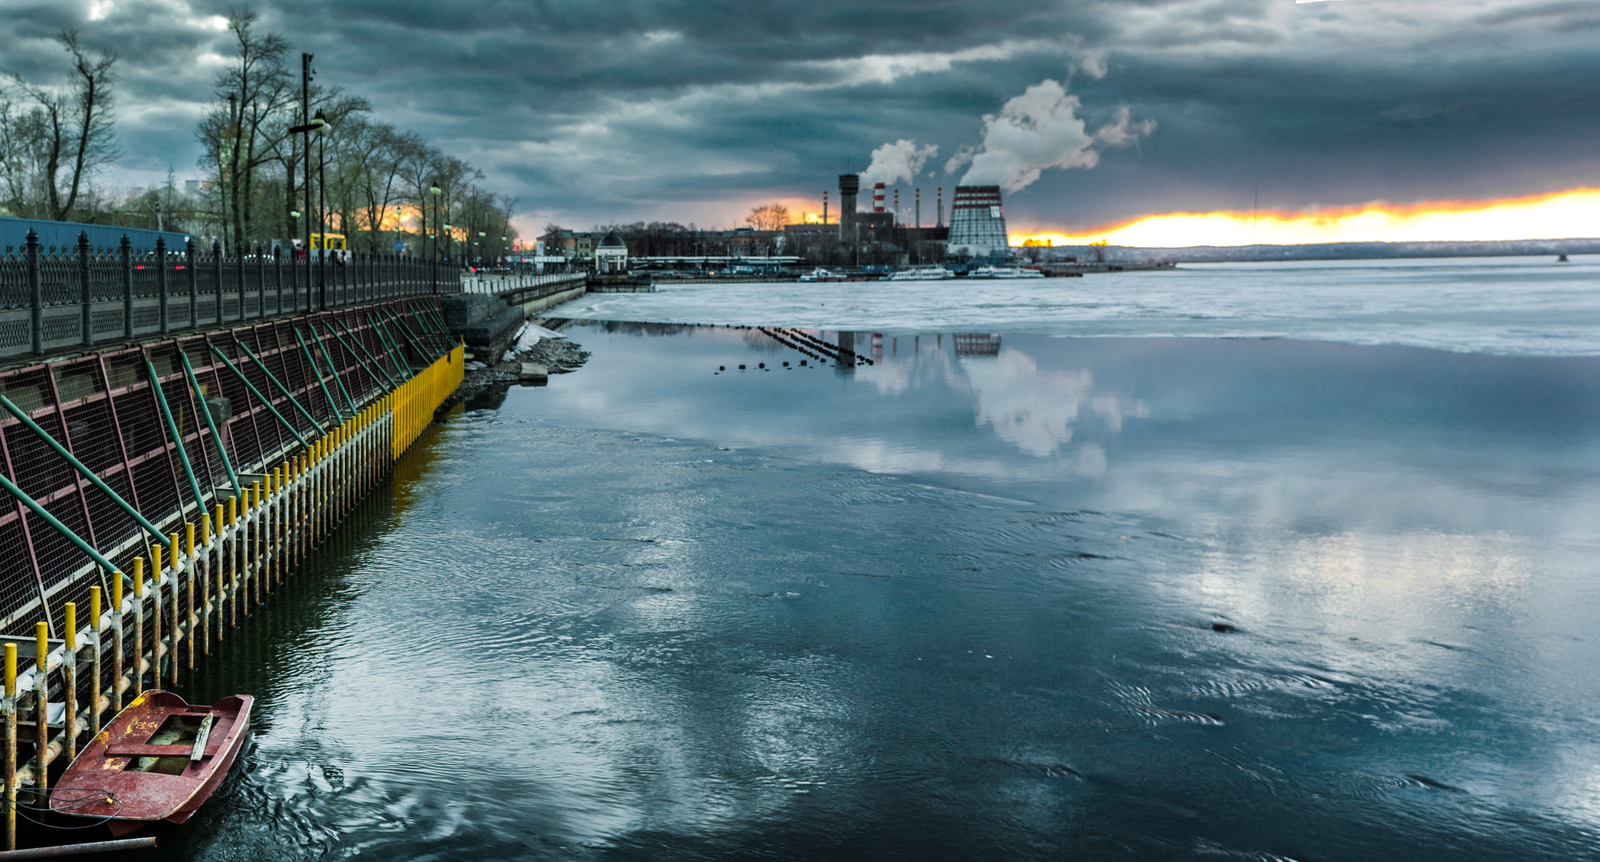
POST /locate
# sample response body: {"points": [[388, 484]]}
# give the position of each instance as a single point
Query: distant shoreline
{"points": [[1345, 250]]}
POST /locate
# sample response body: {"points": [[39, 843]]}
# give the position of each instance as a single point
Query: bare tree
{"points": [[771, 216], [66, 137], [249, 132]]}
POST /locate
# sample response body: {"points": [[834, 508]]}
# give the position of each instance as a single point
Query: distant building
{"points": [[611, 255], [568, 244], [977, 224]]}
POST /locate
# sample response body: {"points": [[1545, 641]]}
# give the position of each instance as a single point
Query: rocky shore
{"points": [[558, 355]]}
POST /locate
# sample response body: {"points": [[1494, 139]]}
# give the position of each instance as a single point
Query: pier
{"points": [[179, 431]]}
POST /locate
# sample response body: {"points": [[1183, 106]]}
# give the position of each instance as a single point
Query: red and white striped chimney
{"points": [[877, 197]]}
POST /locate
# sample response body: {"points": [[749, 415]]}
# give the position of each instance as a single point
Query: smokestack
{"points": [[877, 197], [896, 206], [919, 209], [940, 211], [977, 224], [849, 185], [824, 206]]}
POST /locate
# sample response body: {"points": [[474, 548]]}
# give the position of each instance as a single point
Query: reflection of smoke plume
{"points": [[901, 160], [1040, 129], [1036, 411]]}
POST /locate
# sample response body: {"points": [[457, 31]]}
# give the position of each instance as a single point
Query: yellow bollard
{"points": [[99, 630], [138, 624], [205, 585], [256, 550], [41, 635], [116, 641], [233, 559], [11, 746], [174, 628], [243, 586], [69, 680], [188, 582], [155, 615]]}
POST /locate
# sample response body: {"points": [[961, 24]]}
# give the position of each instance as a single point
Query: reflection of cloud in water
{"points": [[1036, 410]]}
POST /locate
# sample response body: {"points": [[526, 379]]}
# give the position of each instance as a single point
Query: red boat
{"points": [[159, 759]]}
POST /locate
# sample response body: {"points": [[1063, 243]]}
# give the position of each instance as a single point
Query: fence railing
{"points": [[75, 297], [503, 283]]}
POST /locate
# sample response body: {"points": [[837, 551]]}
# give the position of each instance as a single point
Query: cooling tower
{"points": [[977, 226]]}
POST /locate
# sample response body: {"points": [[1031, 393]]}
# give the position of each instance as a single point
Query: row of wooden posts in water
{"points": [[229, 562]]}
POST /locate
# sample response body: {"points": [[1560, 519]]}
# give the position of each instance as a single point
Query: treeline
{"points": [[371, 182]]}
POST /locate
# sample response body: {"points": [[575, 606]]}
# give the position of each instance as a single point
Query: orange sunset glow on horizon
{"points": [[1556, 215]]}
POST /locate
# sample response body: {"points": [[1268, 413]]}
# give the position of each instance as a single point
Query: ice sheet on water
{"points": [[1506, 306]]}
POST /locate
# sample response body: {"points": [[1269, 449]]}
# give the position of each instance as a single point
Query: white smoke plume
{"points": [[1123, 130], [1093, 64], [901, 160], [1037, 130]]}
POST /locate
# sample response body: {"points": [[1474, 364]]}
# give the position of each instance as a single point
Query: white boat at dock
{"points": [[820, 274], [1004, 272], [922, 273]]}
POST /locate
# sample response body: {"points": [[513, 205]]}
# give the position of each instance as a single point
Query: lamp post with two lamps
{"points": [[434, 191], [312, 127]]}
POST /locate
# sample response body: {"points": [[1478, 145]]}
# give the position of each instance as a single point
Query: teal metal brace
{"points": [[389, 338], [415, 344], [84, 471], [312, 325], [281, 388], [259, 397], [388, 342], [375, 363], [205, 410], [316, 370], [444, 330], [59, 527], [423, 316], [177, 439], [402, 370]]}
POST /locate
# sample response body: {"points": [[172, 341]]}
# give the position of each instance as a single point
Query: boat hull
{"points": [[142, 759]]}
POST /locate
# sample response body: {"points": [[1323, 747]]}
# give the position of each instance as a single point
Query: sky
{"points": [[1092, 115]]}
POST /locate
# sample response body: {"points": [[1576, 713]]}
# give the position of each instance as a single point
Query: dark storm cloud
{"points": [[695, 110]]}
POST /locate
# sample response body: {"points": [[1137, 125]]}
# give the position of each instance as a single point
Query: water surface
{"points": [[1522, 306], [1101, 598]]}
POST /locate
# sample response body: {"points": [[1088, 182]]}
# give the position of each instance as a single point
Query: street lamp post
{"points": [[322, 209], [311, 127], [434, 191]]}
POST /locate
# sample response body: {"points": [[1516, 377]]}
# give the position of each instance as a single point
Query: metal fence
{"points": [[168, 426], [503, 283], [59, 298]]}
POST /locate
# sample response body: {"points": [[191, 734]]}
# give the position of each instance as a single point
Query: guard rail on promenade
{"points": [[63, 298], [500, 284]]}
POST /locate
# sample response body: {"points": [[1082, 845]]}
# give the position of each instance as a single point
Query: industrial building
{"points": [[977, 223]]}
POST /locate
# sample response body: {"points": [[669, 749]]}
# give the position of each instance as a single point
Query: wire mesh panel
{"points": [[246, 433], [106, 411]]}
